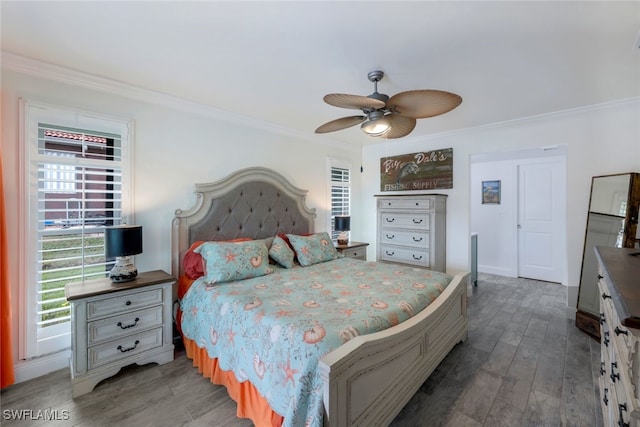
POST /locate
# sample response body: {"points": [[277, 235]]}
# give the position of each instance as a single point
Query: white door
{"points": [[541, 210]]}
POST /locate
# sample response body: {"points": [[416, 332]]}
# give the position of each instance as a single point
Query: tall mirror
{"points": [[612, 220]]}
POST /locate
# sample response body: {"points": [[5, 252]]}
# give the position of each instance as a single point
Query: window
{"points": [[340, 193], [77, 183]]}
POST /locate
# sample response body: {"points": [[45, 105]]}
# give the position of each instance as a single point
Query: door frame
{"points": [[509, 162]]}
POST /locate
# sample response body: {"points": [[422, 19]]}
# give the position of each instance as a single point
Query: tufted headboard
{"points": [[255, 202]]}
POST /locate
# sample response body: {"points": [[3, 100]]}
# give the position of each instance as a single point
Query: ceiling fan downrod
{"points": [[375, 76]]}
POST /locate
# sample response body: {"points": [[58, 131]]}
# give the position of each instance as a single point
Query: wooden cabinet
{"points": [[116, 324], [356, 250], [619, 296], [412, 230]]}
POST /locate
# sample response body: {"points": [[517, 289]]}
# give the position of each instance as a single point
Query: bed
{"points": [[346, 371]]}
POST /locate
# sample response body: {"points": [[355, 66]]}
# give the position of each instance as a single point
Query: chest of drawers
{"points": [[412, 230], [619, 292], [117, 324]]}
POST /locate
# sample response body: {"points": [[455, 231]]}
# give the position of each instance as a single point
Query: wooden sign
{"points": [[429, 170]]}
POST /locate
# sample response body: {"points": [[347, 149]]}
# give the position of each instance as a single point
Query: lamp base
{"points": [[343, 238], [123, 270]]}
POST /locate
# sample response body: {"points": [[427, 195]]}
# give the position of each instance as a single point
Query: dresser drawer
{"points": [[121, 304], [123, 347], [125, 324], [622, 405], [404, 204], [405, 238], [418, 220], [405, 255]]}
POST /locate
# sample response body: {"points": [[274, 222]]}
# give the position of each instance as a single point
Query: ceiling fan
{"points": [[393, 117]]}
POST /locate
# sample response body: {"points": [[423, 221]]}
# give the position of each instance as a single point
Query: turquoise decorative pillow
{"points": [[225, 262], [313, 249], [281, 252]]}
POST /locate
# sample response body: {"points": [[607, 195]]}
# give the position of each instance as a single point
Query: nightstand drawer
{"points": [[356, 253], [125, 324], [121, 304], [124, 347]]}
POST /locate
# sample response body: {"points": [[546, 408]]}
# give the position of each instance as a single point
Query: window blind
{"points": [[340, 195], [79, 178]]}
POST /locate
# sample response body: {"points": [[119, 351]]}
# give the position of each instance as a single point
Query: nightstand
{"points": [[117, 324], [357, 250]]}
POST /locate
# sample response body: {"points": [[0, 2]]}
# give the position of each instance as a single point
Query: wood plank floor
{"points": [[524, 363]]}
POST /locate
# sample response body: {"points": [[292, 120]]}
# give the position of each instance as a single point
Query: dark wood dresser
{"points": [[619, 288]]}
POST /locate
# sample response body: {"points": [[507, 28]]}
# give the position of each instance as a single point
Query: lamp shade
{"points": [[342, 223], [122, 240]]}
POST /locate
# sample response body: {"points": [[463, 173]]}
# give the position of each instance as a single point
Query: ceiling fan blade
{"points": [[344, 100], [420, 104], [339, 124], [400, 126]]}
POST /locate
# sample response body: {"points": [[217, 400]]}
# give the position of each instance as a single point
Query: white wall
{"points": [[173, 149], [600, 140], [497, 254]]}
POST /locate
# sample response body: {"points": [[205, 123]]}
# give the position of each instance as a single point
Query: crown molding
{"points": [[43, 70], [523, 120]]}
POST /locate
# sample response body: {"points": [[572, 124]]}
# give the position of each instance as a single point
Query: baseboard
{"points": [[26, 370], [499, 271]]}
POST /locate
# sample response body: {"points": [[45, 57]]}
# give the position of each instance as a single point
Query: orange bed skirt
{"points": [[250, 402]]}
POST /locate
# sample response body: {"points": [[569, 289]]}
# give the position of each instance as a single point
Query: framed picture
{"points": [[490, 192]]}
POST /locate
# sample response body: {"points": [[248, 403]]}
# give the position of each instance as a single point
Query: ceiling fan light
{"points": [[376, 126]]}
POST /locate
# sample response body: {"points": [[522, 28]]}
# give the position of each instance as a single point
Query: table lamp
{"points": [[122, 241], [343, 225]]}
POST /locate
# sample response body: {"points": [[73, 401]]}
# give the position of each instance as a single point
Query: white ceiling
{"points": [[274, 61]]}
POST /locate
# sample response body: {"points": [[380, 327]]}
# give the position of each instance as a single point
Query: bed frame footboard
{"points": [[368, 380]]}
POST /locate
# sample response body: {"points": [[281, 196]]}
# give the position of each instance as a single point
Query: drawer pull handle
{"points": [[606, 339], [389, 219], [605, 296], [602, 319], [390, 236], [600, 277], [622, 407], [619, 331], [604, 399], [613, 375], [417, 239], [127, 303], [417, 258], [602, 370], [124, 350], [389, 253], [135, 322], [417, 221]]}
